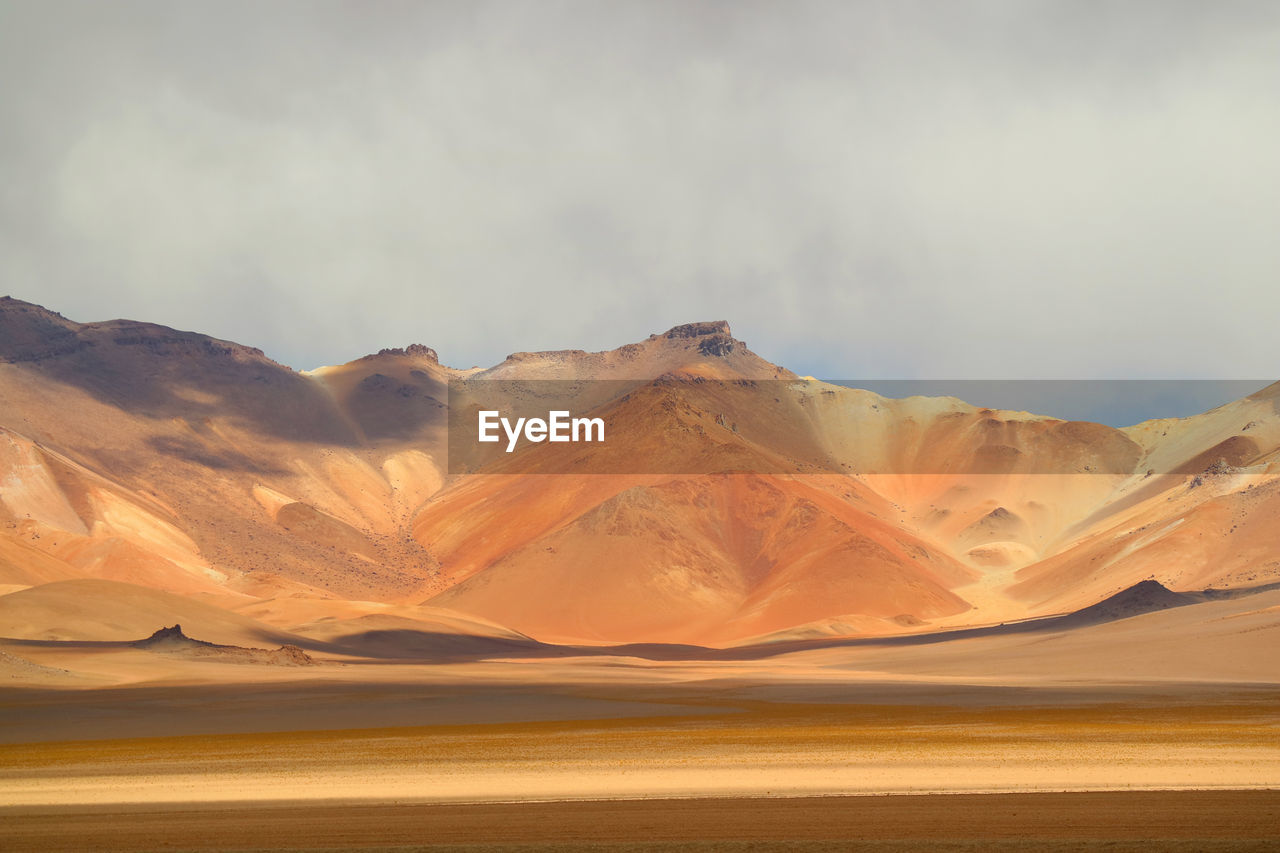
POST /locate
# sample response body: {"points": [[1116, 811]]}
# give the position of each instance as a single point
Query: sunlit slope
{"points": [[708, 559], [1210, 523], [732, 500]]}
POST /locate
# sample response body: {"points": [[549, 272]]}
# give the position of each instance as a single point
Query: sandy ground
{"points": [[760, 748], [668, 764], [105, 744], [1203, 821]]}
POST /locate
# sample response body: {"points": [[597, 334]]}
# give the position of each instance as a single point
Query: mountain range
{"points": [[149, 475]]}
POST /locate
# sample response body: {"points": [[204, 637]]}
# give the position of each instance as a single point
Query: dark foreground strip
{"points": [[1177, 820]]}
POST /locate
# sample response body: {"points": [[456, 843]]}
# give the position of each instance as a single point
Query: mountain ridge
{"points": [[199, 467]]}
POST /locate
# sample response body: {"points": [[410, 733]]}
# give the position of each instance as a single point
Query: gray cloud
{"points": [[971, 189]]}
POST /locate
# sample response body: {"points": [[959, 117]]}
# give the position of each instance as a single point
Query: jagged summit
{"points": [[166, 633], [714, 337], [419, 351], [697, 330], [174, 641], [170, 637]]}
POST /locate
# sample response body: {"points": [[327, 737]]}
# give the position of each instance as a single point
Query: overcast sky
{"points": [[894, 189]]}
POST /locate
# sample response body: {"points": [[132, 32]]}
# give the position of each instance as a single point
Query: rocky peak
{"points": [[413, 351], [712, 338], [422, 351], [168, 638], [698, 330]]}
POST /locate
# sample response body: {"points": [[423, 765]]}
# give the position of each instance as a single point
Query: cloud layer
{"points": [[977, 189]]}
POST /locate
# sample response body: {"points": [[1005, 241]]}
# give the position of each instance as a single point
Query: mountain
{"points": [[733, 500]]}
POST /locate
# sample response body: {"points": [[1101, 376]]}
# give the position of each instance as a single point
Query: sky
{"points": [[977, 190]]}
